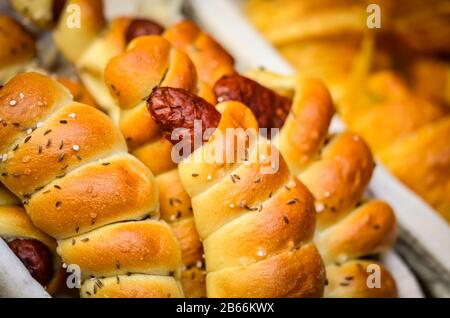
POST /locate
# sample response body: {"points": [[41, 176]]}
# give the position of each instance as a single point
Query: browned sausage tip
{"points": [[141, 27], [269, 108], [173, 108], [36, 257]]}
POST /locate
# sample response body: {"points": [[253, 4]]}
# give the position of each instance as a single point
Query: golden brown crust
{"points": [[117, 188], [262, 234], [15, 224], [150, 61], [18, 47], [93, 179], [156, 155], [193, 281], [411, 135], [306, 128], [133, 286], [175, 203], [78, 90], [176, 209], [337, 172], [138, 127], [24, 101], [147, 247], [6, 197], [147, 63], [369, 229], [350, 280], [431, 79], [210, 59], [191, 247], [388, 105], [260, 221], [338, 179], [55, 149], [291, 274], [427, 171]]}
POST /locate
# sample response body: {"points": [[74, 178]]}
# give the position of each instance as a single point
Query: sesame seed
{"points": [[21, 95], [319, 207], [12, 102], [4, 157], [209, 178], [76, 147], [291, 184], [39, 125], [199, 264], [63, 121], [29, 131], [261, 252], [231, 205], [72, 115]]}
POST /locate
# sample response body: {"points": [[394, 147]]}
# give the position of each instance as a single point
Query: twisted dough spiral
{"points": [[256, 229], [68, 164], [149, 62], [336, 169]]}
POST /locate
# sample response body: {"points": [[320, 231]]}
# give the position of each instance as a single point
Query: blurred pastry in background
{"points": [[391, 85], [409, 133], [17, 48]]}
